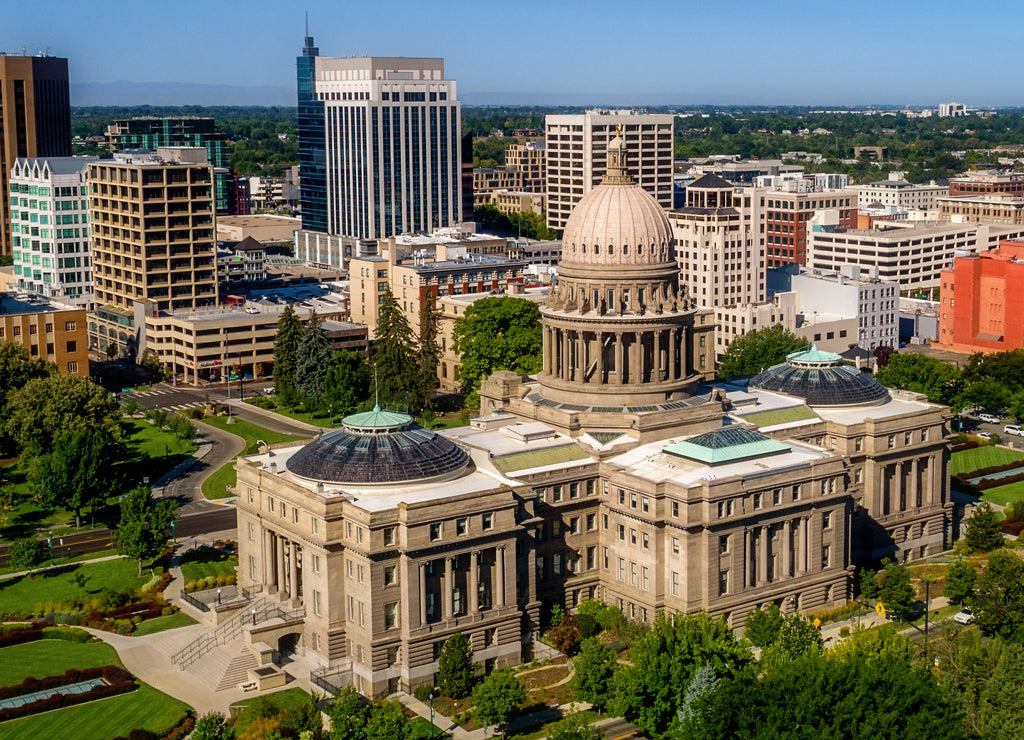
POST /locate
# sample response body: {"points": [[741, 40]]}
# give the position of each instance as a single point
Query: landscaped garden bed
{"points": [[208, 567], [114, 680]]}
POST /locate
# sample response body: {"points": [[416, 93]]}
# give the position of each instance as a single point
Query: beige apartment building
{"points": [[152, 221], [616, 474], [986, 208], [530, 160], [577, 156], [511, 202], [50, 331]]}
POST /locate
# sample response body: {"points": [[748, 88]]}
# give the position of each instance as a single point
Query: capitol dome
{"points": [[378, 447], [618, 222], [821, 379]]}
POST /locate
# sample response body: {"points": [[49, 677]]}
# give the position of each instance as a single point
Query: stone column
{"points": [[673, 372], [746, 555], [474, 601], [762, 556], [567, 360], [499, 564], [448, 591], [293, 570], [901, 477], [619, 358], [915, 482], [269, 572], [423, 593], [547, 348], [600, 358], [803, 544], [280, 568], [637, 366], [787, 548]]}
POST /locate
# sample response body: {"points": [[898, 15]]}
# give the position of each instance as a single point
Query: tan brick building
{"points": [[50, 331]]}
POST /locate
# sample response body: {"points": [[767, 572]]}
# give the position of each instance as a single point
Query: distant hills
{"points": [[177, 93]]}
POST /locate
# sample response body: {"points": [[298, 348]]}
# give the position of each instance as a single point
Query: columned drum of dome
{"points": [[821, 379], [617, 330], [376, 448]]}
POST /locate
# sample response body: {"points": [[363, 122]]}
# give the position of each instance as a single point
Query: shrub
{"points": [[190, 586], [587, 625], [422, 692], [26, 553], [111, 598], [167, 611], [844, 631], [566, 636], [66, 633]]}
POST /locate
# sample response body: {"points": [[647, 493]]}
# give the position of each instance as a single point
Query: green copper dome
{"points": [[376, 419], [814, 356]]}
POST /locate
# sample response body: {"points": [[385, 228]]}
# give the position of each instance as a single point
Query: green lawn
{"points": [[1004, 494], [316, 418], [207, 561], [419, 729], [543, 730], [50, 658], [160, 624], [60, 586], [967, 461], [285, 700], [148, 452], [103, 719], [62, 561], [216, 485]]}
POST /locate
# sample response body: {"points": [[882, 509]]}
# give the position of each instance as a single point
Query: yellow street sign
{"points": [[816, 622], [880, 608]]}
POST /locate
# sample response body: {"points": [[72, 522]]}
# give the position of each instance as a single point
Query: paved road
{"points": [[219, 518], [620, 729], [187, 487]]}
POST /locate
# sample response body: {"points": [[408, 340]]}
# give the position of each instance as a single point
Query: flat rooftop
{"points": [[20, 303]]}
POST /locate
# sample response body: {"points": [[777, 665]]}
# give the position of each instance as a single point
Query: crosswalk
{"points": [[182, 407], [159, 392]]}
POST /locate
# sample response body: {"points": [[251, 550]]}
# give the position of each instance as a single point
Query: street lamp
{"points": [[174, 532], [254, 616], [432, 714], [49, 541], [218, 596]]}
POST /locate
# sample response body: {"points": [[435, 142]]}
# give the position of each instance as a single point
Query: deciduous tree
{"points": [[649, 691], [998, 600], [942, 382], [573, 727], [498, 333], [498, 697], [387, 722], [763, 625], [894, 588], [592, 672], [349, 713], [1002, 700], [759, 350], [79, 472], [348, 383], [959, 581], [142, 531]]}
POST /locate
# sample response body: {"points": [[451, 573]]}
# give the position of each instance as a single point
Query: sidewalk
{"points": [[870, 618], [534, 719]]}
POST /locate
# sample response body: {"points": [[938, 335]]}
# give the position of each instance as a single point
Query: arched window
{"points": [[625, 249], [611, 249]]}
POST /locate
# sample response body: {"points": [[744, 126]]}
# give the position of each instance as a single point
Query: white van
{"points": [[1013, 429], [989, 418]]}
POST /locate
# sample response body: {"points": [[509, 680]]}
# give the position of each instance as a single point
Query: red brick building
{"points": [[982, 308], [987, 183], [787, 215]]}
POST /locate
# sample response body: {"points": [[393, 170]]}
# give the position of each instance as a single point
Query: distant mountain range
{"points": [[177, 93]]}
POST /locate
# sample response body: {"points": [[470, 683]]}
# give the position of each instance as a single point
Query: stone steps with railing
{"points": [[263, 607]]}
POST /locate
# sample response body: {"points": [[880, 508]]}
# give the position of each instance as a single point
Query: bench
{"points": [[248, 686]]}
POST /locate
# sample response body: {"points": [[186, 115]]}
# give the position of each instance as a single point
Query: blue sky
{"points": [[576, 51]]}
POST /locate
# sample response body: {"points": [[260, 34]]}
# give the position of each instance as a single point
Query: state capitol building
{"points": [[622, 472]]}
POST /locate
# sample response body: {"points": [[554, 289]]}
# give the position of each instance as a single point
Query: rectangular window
{"points": [[858, 444], [675, 509], [908, 438], [487, 521], [632, 500], [316, 563], [675, 583], [892, 441], [723, 582], [362, 573], [556, 564], [604, 558], [252, 567], [622, 569], [350, 568], [556, 494], [757, 500], [574, 525], [675, 545], [826, 520], [591, 522], [632, 573], [435, 531], [389, 536], [723, 544], [591, 557], [390, 575], [777, 496], [295, 516], [632, 536], [621, 531], [349, 529], [644, 540], [461, 527], [797, 490], [352, 607], [362, 614], [315, 524], [359, 535], [252, 531], [622, 497], [645, 504], [924, 434], [644, 578], [391, 615], [826, 556], [316, 603]]}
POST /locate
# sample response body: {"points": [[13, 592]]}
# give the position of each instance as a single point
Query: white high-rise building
{"points": [[393, 134], [50, 227], [577, 158]]}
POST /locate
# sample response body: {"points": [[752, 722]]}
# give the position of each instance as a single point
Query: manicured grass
{"points": [[285, 700], [160, 624], [419, 729], [61, 586], [543, 730], [50, 658], [216, 485], [62, 561], [1005, 494], [146, 708], [944, 612], [967, 461], [310, 417], [207, 561], [103, 719]]}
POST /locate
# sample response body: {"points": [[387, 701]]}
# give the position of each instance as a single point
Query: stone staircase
{"points": [[258, 610], [237, 670]]}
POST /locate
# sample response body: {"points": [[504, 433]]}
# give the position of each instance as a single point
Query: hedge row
{"points": [[975, 489], [119, 681], [180, 731], [961, 446], [1012, 525], [36, 631]]}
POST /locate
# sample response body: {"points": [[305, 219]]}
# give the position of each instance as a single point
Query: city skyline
{"points": [[583, 52]]}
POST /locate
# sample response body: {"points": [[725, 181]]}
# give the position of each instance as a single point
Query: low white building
{"points": [[50, 228], [896, 192]]}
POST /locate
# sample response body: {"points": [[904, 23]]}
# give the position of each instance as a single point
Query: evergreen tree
{"points": [[394, 355], [348, 383], [983, 533], [286, 352], [313, 364], [429, 354], [1002, 700], [455, 667]]}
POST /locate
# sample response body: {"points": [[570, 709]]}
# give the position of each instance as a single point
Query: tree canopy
{"points": [[286, 355], [941, 382], [497, 333], [313, 364], [982, 532], [348, 383], [142, 531], [758, 350], [394, 355], [998, 600], [498, 696], [79, 472], [593, 670], [650, 691], [455, 667], [428, 354]]}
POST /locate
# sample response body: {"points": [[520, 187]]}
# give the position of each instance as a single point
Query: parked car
{"points": [[983, 435], [964, 616], [1013, 429], [989, 418], [269, 390]]}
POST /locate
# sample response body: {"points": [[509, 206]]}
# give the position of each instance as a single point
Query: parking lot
{"points": [[971, 424]]}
